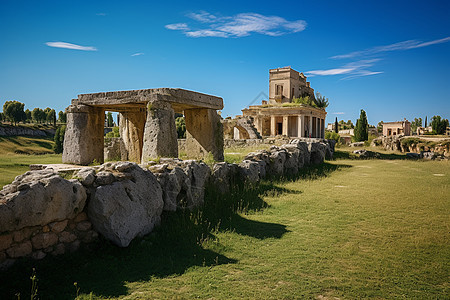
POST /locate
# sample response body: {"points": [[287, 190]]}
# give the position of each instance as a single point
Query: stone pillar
{"points": [[310, 126], [160, 133], [259, 125], [273, 124], [84, 137], [285, 125], [204, 134], [319, 128], [131, 126], [323, 128], [300, 126]]}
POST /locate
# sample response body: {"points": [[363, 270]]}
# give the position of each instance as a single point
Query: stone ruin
{"points": [[54, 209], [147, 125]]}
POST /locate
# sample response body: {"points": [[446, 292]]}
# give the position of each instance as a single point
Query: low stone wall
{"points": [[24, 131], [55, 210], [414, 145], [111, 150]]}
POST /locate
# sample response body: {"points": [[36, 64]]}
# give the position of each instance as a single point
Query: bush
{"points": [[331, 135], [58, 147], [114, 133]]}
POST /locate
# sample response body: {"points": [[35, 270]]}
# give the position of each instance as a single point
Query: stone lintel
{"points": [[179, 98]]}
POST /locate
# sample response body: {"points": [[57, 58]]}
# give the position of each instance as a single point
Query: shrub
{"points": [[331, 135], [58, 147], [114, 133]]}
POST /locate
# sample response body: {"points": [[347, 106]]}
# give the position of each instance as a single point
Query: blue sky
{"points": [[390, 58]]}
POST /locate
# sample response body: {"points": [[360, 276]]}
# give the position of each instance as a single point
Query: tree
{"points": [[58, 147], [50, 116], [38, 115], [320, 101], [109, 119], [180, 123], [13, 111], [336, 126], [439, 125], [362, 128], [416, 123], [380, 127], [62, 117], [2, 117], [425, 121], [28, 116]]}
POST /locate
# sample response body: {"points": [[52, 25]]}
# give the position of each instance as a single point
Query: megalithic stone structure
{"points": [[147, 125]]}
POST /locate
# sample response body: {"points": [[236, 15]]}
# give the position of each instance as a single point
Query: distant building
{"points": [[397, 128], [279, 115]]}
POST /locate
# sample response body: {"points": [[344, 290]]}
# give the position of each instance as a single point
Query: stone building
{"points": [[279, 115], [147, 125], [396, 128]]}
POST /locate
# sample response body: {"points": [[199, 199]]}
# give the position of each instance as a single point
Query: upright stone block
{"points": [[132, 125], [160, 133], [83, 140], [204, 134]]}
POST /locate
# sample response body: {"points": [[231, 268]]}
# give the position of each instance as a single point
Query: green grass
{"points": [[17, 153], [348, 228]]}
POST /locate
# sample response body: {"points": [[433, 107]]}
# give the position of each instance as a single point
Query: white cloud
{"points": [[239, 25], [177, 26], [338, 113], [405, 45], [70, 46], [137, 54], [100, 14], [353, 70]]}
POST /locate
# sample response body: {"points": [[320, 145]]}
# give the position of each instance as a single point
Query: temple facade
{"points": [[280, 115]]}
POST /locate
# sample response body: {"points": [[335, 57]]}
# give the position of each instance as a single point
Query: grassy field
{"points": [[349, 228], [17, 153]]}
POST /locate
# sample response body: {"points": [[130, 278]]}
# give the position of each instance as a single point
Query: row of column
{"points": [[307, 126], [147, 133]]}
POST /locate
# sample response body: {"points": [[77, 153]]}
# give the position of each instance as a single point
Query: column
{"points": [[300, 126], [131, 127], [204, 134], [319, 128], [286, 125], [160, 133], [272, 126], [310, 126], [84, 137]]}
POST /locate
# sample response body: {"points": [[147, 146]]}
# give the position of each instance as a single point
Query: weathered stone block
{"points": [[5, 241], [20, 250], [44, 240], [67, 237], [58, 226]]}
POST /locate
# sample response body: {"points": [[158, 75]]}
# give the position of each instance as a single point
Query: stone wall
{"points": [[52, 211], [440, 147], [24, 131]]}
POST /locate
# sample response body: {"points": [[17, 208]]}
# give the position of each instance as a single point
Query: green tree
{"points": [[380, 127], [109, 119], [50, 116], [13, 111], [320, 101], [426, 121], [180, 123], [28, 116], [58, 147], [416, 123], [439, 125], [62, 117], [2, 117], [336, 126], [362, 128]]}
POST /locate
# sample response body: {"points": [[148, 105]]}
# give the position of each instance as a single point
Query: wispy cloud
{"points": [[405, 45], [353, 70], [70, 46], [100, 14], [137, 54], [177, 26], [239, 25], [338, 113]]}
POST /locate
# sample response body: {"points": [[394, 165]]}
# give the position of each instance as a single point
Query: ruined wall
{"points": [[42, 212]]}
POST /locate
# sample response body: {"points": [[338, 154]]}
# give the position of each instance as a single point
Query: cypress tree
{"points": [[362, 128], [425, 121], [336, 126]]}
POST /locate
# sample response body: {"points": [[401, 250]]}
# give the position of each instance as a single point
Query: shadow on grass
{"points": [[172, 249]]}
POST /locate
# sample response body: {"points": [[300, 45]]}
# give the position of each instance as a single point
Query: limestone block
{"points": [[104, 178], [44, 240], [84, 226], [38, 255], [86, 176], [160, 134], [58, 226], [47, 199], [67, 237], [277, 160], [198, 173], [126, 209], [20, 250], [223, 176], [317, 151], [204, 134], [249, 171], [83, 140], [5, 241], [131, 127]]}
